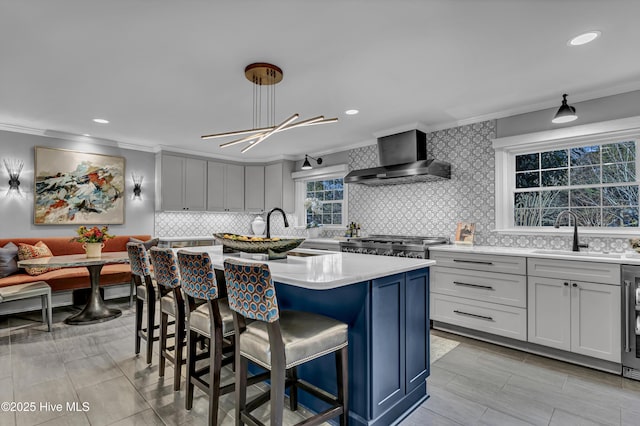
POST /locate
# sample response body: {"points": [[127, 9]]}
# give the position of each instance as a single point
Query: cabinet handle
{"points": [[566, 284], [479, 262], [574, 285], [627, 334], [484, 287], [473, 315]]}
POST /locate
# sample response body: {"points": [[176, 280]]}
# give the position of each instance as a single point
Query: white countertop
{"points": [[327, 270], [627, 258], [196, 238]]}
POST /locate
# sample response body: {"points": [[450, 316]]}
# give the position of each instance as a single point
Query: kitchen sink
{"points": [[580, 253]]}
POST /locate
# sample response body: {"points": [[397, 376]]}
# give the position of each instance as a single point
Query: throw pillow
{"points": [[8, 257], [40, 249], [147, 244]]}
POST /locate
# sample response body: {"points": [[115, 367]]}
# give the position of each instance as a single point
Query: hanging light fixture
{"points": [[263, 74], [566, 113], [307, 165]]}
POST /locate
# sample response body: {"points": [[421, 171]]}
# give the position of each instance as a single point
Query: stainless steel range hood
{"points": [[403, 159]]}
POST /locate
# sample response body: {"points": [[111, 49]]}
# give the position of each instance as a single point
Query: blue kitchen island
{"points": [[385, 302]]}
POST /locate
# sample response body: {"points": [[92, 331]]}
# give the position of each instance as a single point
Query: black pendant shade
{"points": [[566, 113]]}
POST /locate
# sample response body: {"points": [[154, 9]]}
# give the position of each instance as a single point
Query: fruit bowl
{"points": [[277, 248]]}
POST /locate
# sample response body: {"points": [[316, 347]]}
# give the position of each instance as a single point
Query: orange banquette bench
{"points": [[73, 278]]}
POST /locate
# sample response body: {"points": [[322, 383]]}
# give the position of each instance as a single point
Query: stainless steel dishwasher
{"points": [[631, 321]]}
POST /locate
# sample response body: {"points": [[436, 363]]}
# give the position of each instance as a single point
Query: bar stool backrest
{"points": [[165, 267], [197, 277], [250, 290], [138, 259]]}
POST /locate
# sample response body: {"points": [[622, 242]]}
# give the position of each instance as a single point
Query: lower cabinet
{"points": [[576, 316], [399, 344]]}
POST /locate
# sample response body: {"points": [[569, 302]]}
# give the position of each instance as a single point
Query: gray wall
{"points": [[591, 111], [16, 213]]}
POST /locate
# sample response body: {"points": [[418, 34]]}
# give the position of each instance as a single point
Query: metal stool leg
{"points": [[342, 369]]}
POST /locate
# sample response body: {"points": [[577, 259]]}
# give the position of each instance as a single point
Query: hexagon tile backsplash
{"points": [[426, 208]]}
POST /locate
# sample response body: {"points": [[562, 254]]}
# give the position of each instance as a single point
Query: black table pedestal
{"points": [[96, 310]]}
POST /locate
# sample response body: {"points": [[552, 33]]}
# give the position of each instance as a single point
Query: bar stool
{"points": [[208, 316], [165, 268], [145, 293], [279, 342]]}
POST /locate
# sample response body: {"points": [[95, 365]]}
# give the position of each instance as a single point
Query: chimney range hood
{"points": [[403, 159]]}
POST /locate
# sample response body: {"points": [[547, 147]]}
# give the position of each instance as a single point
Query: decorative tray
{"points": [[276, 248]]}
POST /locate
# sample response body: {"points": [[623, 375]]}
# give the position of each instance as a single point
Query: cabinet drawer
{"points": [[505, 289], [492, 318], [606, 273], [481, 262]]}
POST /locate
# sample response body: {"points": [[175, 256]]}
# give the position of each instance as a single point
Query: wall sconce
{"points": [[137, 185], [307, 165], [14, 167], [566, 112]]}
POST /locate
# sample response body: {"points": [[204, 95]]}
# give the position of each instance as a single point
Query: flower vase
{"points": [[93, 249], [313, 232]]}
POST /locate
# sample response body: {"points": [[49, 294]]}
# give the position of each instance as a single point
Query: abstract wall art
{"points": [[78, 188]]}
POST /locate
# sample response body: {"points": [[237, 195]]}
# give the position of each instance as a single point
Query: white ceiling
{"points": [[165, 72]]}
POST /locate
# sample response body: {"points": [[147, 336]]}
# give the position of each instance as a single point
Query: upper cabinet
{"points": [[184, 183], [254, 188], [279, 187], [225, 187]]}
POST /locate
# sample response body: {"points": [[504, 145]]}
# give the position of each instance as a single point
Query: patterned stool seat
{"points": [[279, 341], [141, 274], [306, 336], [199, 320], [208, 316], [167, 279]]}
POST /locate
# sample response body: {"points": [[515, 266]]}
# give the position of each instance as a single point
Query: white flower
{"points": [[313, 205]]}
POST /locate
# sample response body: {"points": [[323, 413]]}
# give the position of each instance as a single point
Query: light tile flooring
{"points": [[476, 383]]}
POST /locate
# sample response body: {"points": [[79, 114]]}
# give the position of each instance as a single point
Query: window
{"points": [[321, 196], [323, 201], [597, 182], [589, 169]]}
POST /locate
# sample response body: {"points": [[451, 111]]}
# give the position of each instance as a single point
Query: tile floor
{"points": [[475, 383]]}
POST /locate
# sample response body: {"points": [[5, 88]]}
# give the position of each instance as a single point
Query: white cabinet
{"points": [[225, 187], [549, 312], [279, 186], [480, 292], [574, 315], [254, 188], [184, 183]]}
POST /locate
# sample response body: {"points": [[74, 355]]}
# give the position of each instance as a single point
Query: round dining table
{"points": [[95, 310]]}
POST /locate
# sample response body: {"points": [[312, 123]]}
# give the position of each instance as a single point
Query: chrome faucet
{"points": [[284, 216], [576, 244]]}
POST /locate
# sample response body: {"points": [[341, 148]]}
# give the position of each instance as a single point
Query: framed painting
{"points": [[465, 232], [78, 188]]}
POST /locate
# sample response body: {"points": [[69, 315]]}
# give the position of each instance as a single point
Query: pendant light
{"points": [[307, 165], [566, 113], [262, 74]]}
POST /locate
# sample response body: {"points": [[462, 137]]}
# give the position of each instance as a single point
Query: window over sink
{"points": [[589, 169]]}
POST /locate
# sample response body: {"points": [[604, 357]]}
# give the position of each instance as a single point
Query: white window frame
{"points": [[588, 134], [302, 177]]}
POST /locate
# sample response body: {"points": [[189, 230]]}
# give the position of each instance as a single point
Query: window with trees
{"points": [[597, 181]]}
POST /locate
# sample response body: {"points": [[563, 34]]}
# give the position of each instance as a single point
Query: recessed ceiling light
{"points": [[584, 38], [101, 121], [351, 111]]}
